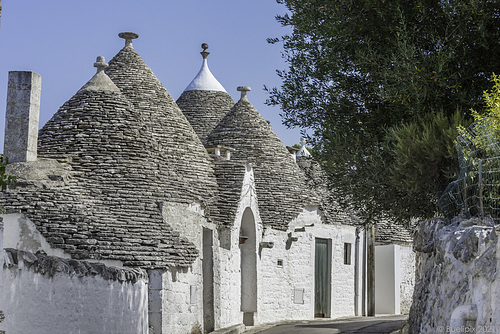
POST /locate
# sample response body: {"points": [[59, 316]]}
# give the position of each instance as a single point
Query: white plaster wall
{"points": [[275, 284], [182, 296], [387, 279], [182, 300], [394, 279], [361, 282], [407, 271], [278, 283], [230, 256], [65, 304], [276, 288], [343, 290]]}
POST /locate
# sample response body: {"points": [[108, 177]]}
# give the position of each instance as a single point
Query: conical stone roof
{"points": [[204, 101], [185, 159], [105, 202], [280, 184]]}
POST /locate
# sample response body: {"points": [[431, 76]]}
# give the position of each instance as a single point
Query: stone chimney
{"points": [[21, 116]]}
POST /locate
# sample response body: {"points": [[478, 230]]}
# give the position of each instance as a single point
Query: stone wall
{"points": [[46, 294], [456, 270]]}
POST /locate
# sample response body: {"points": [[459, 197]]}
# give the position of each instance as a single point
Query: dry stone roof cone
{"points": [[183, 157], [204, 101], [100, 81], [280, 184], [108, 209]]}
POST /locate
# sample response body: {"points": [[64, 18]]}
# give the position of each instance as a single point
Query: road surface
{"points": [[355, 325]]}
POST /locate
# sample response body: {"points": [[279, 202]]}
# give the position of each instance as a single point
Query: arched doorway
{"points": [[248, 253]]}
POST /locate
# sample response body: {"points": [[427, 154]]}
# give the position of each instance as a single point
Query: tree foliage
{"points": [[383, 85], [5, 179]]}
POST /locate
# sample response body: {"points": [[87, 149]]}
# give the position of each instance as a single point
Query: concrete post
{"points": [[1, 243], [21, 117], [1, 234], [370, 270], [155, 301]]}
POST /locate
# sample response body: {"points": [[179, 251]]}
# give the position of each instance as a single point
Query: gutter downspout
{"points": [[461, 315]]}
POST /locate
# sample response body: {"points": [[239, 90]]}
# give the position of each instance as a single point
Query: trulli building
{"points": [[136, 213]]}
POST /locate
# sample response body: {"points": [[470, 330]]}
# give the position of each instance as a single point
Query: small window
{"points": [[347, 253], [280, 263]]}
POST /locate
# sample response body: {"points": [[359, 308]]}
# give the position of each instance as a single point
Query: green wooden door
{"points": [[322, 279]]}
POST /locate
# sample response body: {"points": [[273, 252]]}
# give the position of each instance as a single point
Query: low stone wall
{"points": [[47, 294], [456, 277]]}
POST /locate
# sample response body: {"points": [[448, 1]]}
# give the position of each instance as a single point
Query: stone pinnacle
{"points": [[243, 90], [100, 63], [204, 53], [128, 37]]}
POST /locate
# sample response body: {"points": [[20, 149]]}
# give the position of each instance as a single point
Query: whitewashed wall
{"points": [[342, 274], [68, 303], [230, 255], [387, 279], [276, 284], [279, 283], [407, 271], [182, 288]]}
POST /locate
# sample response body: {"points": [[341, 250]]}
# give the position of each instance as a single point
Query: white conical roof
{"points": [[303, 152], [205, 80]]}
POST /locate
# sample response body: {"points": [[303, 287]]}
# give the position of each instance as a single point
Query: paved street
{"points": [[362, 325]]}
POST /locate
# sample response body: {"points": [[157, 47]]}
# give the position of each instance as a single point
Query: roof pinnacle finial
{"points": [[128, 37], [303, 152], [302, 141], [100, 63], [204, 53], [243, 90]]}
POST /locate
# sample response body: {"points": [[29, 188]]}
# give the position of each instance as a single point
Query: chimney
{"points": [[21, 116]]}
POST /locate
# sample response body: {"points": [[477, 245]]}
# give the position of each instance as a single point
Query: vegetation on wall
{"points": [[5, 180]]}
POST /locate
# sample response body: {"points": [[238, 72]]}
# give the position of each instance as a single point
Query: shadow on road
{"points": [[358, 325], [376, 326]]}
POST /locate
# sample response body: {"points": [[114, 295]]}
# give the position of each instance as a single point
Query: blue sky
{"points": [[60, 39]]}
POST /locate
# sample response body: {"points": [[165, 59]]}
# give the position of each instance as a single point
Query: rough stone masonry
{"points": [[21, 120]]}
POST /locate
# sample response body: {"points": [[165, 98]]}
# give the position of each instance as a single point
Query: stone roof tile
{"points": [[230, 176], [204, 102], [204, 109], [280, 184], [186, 160], [317, 181], [122, 156]]}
